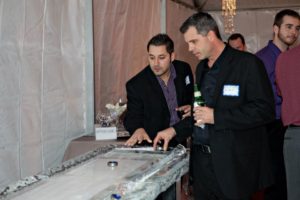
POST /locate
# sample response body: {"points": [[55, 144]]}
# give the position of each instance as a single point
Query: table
{"points": [[85, 144], [140, 174]]}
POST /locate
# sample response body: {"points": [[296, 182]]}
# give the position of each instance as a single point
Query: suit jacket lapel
{"points": [[223, 73]]}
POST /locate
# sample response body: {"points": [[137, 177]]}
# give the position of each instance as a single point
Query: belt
{"points": [[204, 148], [293, 125]]}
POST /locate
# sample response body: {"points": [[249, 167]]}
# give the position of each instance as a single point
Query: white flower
{"points": [[116, 109]]}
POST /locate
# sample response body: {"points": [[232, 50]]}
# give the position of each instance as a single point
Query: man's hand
{"points": [[138, 137], [203, 115], [185, 110], [165, 135]]}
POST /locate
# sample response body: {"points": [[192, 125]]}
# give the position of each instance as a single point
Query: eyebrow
{"points": [[157, 55], [193, 40], [289, 24]]}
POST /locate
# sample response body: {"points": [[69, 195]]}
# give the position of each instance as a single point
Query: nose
{"points": [[296, 31], [191, 47], [156, 61]]}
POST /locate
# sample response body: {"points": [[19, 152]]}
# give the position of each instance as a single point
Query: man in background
{"points": [[288, 82], [285, 32], [237, 41]]}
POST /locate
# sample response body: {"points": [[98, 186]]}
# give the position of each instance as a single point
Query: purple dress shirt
{"points": [[169, 91], [269, 55]]}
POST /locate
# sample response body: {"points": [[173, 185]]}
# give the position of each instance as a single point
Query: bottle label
{"points": [[197, 94]]}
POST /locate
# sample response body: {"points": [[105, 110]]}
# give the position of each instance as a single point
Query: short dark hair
{"points": [[235, 36], [286, 12], [203, 22], [162, 39]]}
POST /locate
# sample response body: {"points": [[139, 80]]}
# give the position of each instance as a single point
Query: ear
{"points": [[172, 56], [210, 35], [275, 29]]}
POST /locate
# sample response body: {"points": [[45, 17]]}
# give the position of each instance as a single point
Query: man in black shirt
{"points": [[230, 155]]}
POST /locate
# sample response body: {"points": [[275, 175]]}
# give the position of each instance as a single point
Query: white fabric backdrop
{"points": [[45, 100]]}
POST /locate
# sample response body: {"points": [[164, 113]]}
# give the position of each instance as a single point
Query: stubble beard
{"points": [[286, 40]]}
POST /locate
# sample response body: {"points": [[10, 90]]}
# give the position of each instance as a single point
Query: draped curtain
{"points": [[43, 84], [176, 15], [122, 30]]}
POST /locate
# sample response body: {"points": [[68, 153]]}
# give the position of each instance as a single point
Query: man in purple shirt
{"points": [[157, 93], [159, 98], [285, 32]]}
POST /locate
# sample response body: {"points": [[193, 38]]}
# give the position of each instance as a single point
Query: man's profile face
{"points": [[198, 44], [160, 60], [237, 44]]}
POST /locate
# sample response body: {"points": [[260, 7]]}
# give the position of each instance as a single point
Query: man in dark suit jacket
{"points": [[230, 154], [158, 93]]}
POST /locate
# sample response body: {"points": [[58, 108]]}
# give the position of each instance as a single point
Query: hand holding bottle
{"points": [[203, 115]]}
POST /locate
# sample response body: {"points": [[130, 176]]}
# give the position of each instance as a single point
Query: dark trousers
{"points": [[276, 132], [205, 184]]}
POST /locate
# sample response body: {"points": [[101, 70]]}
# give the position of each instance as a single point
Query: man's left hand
{"points": [[165, 136], [185, 110]]}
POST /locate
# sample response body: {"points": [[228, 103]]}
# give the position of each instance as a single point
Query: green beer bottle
{"points": [[198, 100]]}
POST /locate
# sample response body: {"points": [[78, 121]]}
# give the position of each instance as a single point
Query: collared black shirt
{"points": [[207, 88]]}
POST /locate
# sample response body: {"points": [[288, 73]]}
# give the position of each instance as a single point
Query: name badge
{"points": [[187, 80], [231, 90]]}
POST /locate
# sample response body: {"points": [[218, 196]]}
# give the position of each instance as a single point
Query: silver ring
{"points": [[159, 149], [112, 163]]}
